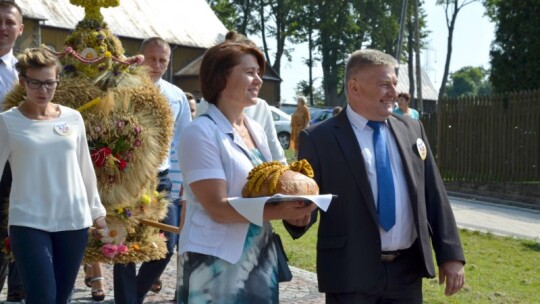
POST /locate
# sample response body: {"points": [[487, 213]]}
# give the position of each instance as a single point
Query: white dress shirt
{"points": [[402, 235], [8, 75], [262, 114], [54, 184], [182, 117]]}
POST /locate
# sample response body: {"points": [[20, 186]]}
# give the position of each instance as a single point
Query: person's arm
{"points": [[4, 149], [89, 176], [262, 114], [182, 120], [308, 117], [201, 161], [306, 150], [445, 239], [217, 206]]}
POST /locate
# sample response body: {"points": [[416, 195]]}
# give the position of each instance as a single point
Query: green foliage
{"points": [[303, 88], [338, 28], [469, 81], [499, 270], [236, 14], [515, 52]]}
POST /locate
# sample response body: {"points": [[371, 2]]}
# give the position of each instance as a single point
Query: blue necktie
{"points": [[386, 201]]}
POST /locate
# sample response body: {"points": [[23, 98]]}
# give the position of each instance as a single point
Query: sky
{"points": [[473, 35]]}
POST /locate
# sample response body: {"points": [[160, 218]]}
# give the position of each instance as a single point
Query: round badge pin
{"points": [[63, 129], [422, 149]]}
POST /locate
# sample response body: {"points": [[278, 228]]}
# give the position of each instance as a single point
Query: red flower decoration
{"points": [[99, 156], [122, 164]]}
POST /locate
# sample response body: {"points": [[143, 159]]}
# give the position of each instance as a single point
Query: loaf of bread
{"points": [[272, 178]]}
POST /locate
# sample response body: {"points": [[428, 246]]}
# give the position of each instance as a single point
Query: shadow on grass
{"points": [[532, 245]]}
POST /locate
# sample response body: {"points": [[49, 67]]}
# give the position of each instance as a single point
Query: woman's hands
{"points": [[297, 213], [100, 228]]}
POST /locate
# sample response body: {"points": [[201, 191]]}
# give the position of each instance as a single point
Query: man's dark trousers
{"points": [[130, 287]]}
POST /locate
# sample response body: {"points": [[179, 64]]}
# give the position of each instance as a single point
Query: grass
{"points": [[499, 270]]}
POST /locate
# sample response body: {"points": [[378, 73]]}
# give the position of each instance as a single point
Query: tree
{"points": [[276, 19], [451, 10], [515, 52], [469, 81], [334, 29], [305, 89], [236, 14], [418, 66]]}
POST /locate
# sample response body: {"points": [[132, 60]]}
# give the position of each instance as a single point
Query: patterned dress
{"points": [[253, 279]]}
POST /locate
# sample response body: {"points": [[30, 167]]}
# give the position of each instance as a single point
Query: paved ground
{"points": [[471, 214]]}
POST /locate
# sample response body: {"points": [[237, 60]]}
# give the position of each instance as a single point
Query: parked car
{"points": [[282, 123], [318, 115], [288, 108]]}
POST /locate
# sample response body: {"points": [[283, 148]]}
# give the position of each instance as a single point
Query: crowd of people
{"points": [[374, 242]]}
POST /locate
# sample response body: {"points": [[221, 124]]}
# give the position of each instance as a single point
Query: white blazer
{"points": [[210, 149]]}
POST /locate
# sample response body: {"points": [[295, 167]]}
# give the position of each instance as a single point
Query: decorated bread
{"points": [[274, 177]]}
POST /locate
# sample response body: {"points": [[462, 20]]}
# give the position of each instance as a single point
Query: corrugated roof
{"points": [[428, 90], [183, 22], [192, 69]]}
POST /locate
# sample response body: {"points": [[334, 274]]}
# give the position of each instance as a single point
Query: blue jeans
{"points": [[48, 262], [130, 287]]}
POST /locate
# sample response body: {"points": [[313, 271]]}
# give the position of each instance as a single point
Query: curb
{"points": [[494, 200]]}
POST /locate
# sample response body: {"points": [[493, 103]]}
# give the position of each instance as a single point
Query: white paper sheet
{"points": [[253, 208]]}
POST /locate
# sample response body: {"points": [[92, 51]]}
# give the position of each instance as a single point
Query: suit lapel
{"points": [[350, 150], [405, 145]]}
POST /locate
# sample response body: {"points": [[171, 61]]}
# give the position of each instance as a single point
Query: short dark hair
{"points": [[154, 40], [217, 63], [405, 96], [10, 4], [363, 59]]}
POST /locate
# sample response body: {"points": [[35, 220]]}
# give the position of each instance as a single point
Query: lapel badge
{"points": [[63, 129], [422, 149]]}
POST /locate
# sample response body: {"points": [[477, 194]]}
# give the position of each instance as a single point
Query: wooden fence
{"points": [[492, 138]]}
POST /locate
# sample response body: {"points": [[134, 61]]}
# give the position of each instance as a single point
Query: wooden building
{"points": [[189, 26]]}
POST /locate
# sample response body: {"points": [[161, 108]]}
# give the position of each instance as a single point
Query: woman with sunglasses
{"points": [[54, 197]]}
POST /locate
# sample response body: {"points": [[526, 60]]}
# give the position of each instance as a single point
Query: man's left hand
{"points": [[453, 273]]}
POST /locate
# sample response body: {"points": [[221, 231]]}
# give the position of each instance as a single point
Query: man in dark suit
{"points": [[374, 240]]}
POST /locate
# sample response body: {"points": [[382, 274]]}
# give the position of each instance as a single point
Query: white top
{"points": [[54, 184], [182, 117], [402, 235], [261, 113], [214, 151], [8, 75]]}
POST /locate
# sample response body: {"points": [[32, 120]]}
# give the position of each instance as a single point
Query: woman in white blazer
{"points": [[224, 258]]}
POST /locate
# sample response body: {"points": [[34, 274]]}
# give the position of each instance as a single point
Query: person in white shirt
{"points": [[224, 258], [11, 28], [130, 287], [261, 113], [54, 197]]}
